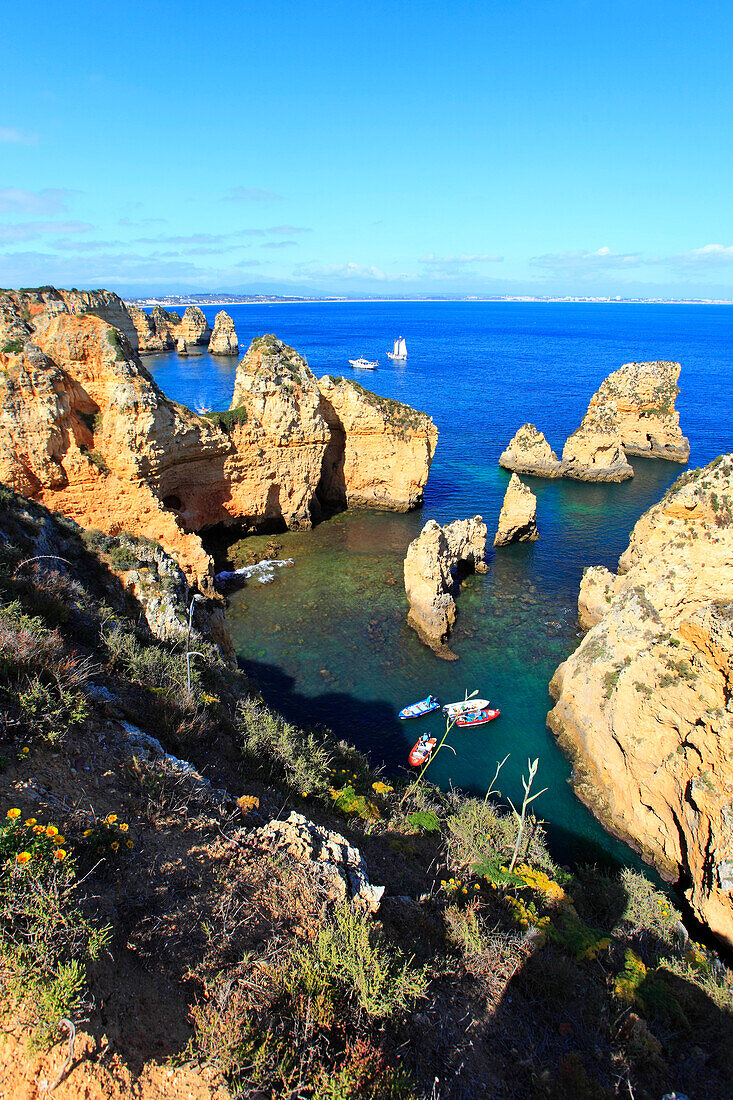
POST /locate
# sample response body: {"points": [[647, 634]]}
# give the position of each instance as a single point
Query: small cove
{"points": [[327, 639]]}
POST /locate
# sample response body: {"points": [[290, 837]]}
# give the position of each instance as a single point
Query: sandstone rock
{"points": [[644, 397], [644, 704], [596, 593], [518, 516], [14, 330], [224, 338], [380, 451], [594, 452], [156, 331], [181, 346], [330, 853], [430, 564], [194, 328], [530, 453]]}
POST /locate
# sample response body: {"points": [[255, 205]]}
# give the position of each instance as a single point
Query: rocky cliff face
{"points": [[644, 395], [431, 563], [194, 328], [645, 704], [85, 430], [224, 337], [48, 301], [594, 451], [379, 451], [518, 516], [156, 331], [530, 453]]}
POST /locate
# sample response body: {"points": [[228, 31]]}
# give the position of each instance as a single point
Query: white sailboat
{"points": [[400, 349]]}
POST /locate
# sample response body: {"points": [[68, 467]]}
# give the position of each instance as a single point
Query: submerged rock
{"points": [[224, 337], [530, 453], [518, 516], [643, 706], [430, 564]]}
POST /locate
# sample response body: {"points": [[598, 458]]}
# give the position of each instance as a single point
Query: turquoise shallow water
{"points": [[327, 638]]}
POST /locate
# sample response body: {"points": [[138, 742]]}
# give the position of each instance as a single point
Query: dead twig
{"points": [[69, 1055]]}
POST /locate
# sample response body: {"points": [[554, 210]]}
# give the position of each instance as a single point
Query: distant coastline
{"points": [[172, 300]]}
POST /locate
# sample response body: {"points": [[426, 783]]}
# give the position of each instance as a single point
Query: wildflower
{"points": [[443, 882], [22, 857], [13, 814], [58, 839], [110, 819], [59, 855], [38, 829], [25, 750], [114, 845], [123, 827], [30, 821], [476, 886], [51, 830], [129, 844], [451, 881], [465, 889], [88, 832]]}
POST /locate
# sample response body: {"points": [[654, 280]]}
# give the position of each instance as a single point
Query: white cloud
{"points": [[28, 231], [349, 270], [431, 260], [580, 262], [12, 136], [52, 200], [710, 255], [250, 194]]}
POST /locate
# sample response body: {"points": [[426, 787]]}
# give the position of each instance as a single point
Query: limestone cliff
{"points": [[518, 516], [594, 451], [644, 705], [529, 452], [379, 452], [48, 301], [224, 337], [194, 328], [643, 395], [156, 331], [430, 569]]}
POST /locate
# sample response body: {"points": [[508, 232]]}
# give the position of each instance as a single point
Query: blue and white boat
{"points": [[416, 710]]}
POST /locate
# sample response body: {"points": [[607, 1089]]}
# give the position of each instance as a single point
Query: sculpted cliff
{"points": [[430, 569], [194, 328], [530, 453], [518, 516], [224, 339], [380, 451], [156, 331], [644, 705], [46, 301]]}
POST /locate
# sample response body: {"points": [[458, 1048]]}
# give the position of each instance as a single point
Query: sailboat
{"points": [[400, 349]]}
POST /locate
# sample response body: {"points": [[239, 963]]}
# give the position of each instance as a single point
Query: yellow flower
{"points": [[476, 886], [25, 750], [59, 855], [13, 814], [88, 832], [59, 839], [22, 857], [114, 845], [51, 830], [443, 882], [123, 828], [30, 821], [110, 819], [38, 829], [465, 890], [129, 844]]}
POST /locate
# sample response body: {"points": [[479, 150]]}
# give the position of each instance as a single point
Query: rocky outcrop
{"points": [[224, 337], [530, 453], [643, 396], [431, 565], [48, 301], [644, 704], [330, 856], [594, 451], [379, 452], [194, 328], [518, 516], [156, 331], [85, 430]]}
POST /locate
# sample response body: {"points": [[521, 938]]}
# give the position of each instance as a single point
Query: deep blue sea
{"points": [[327, 639]]}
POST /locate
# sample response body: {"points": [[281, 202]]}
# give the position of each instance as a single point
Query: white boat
{"points": [[466, 706], [400, 349], [364, 364]]}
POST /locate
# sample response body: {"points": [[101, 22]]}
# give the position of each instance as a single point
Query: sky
{"points": [[390, 148]]}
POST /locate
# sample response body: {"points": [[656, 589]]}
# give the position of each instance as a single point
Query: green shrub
{"points": [[12, 347], [280, 751], [229, 418]]}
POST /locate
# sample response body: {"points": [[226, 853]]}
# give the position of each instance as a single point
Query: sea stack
{"points": [[643, 706], [530, 453], [594, 451], [518, 516], [224, 338], [431, 563], [194, 328], [643, 396]]}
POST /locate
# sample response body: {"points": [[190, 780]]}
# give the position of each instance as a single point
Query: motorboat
{"points": [[422, 750], [453, 710], [364, 364], [416, 710], [477, 718]]}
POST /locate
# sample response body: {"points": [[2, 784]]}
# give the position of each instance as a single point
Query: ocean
{"points": [[327, 639]]}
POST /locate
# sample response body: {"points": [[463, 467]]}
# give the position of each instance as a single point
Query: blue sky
{"points": [[540, 146]]}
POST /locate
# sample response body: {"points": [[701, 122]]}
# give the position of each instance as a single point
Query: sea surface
{"points": [[327, 639]]}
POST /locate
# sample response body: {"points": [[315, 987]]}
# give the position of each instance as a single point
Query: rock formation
{"points": [[48, 301], [194, 328], [156, 331], [85, 430], [643, 395], [518, 516], [379, 450], [224, 338], [594, 451], [530, 453], [431, 563], [644, 704], [330, 855]]}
